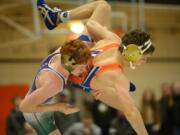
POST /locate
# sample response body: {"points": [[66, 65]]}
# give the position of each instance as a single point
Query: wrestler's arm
{"points": [[98, 32], [128, 106], [48, 88]]}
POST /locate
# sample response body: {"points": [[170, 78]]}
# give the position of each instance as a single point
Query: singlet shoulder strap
{"points": [[108, 67], [100, 50], [104, 68], [55, 71], [58, 74]]}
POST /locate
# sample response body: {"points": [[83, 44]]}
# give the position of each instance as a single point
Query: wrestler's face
{"points": [[143, 60], [79, 69]]}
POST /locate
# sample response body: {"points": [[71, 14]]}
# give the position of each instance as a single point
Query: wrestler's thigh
{"points": [[42, 122]]}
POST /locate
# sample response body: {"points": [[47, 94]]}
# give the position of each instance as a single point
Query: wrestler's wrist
{"points": [[62, 107]]}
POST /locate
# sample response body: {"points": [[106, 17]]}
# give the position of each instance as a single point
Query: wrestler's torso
{"points": [[50, 69], [46, 74], [108, 78]]}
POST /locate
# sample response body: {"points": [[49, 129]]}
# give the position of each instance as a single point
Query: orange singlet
{"points": [[84, 80]]}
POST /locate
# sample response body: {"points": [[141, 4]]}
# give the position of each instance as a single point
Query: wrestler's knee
{"points": [[105, 5]]}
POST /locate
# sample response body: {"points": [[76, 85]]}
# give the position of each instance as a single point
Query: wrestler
{"points": [[39, 104], [105, 78]]}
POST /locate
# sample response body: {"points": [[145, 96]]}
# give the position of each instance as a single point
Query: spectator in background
{"points": [[86, 127], [176, 109], [166, 110], [63, 122], [120, 126], [103, 115], [15, 121], [150, 113]]}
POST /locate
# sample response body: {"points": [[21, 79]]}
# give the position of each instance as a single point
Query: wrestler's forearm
{"points": [[128, 107], [136, 121]]}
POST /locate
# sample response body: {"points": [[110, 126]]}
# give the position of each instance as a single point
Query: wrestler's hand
{"points": [[96, 93], [69, 109]]}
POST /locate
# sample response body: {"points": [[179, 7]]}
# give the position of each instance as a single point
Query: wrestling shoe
{"points": [[51, 16]]}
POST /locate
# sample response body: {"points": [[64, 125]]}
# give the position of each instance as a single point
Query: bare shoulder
{"points": [[49, 80]]}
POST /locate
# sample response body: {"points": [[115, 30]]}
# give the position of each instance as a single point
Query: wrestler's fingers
{"points": [[96, 93]]}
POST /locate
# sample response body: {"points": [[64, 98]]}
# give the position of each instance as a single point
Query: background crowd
{"points": [[161, 116]]}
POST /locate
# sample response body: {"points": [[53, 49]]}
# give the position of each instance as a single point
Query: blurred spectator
{"points": [[176, 109], [166, 110], [103, 115], [150, 113], [120, 126], [86, 127], [15, 121], [63, 122]]}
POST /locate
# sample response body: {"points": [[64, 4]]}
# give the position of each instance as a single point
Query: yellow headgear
{"points": [[69, 61], [133, 52]]}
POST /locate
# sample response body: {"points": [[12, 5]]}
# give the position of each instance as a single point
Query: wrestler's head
{"points": [[136, 47], [74, 56]]}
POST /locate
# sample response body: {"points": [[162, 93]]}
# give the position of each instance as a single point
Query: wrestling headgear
{"points": [[133, 52], [69, 61]]}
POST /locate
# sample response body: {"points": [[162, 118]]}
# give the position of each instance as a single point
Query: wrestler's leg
{"points": [[42, 122], [95, 11], [98, 11]]}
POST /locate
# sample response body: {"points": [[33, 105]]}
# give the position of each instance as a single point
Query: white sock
{"points": [[65, 16]]}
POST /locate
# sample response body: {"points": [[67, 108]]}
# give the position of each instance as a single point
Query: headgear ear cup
{"points": [[69, 62], [132, 53]]}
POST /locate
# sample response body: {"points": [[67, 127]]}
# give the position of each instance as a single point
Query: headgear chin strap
{"points": [[133, 52]]}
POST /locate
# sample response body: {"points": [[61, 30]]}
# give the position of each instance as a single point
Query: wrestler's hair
{"points": [[77, 50], [137, 37]]}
